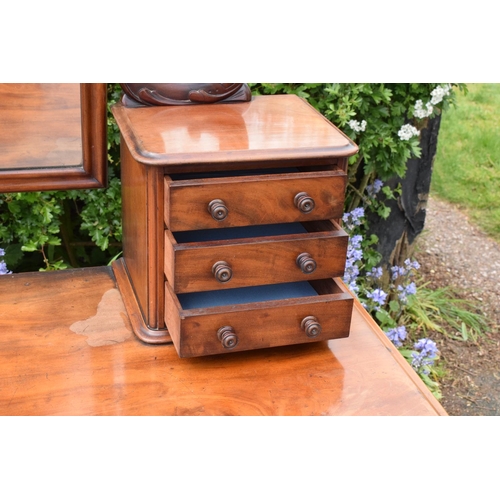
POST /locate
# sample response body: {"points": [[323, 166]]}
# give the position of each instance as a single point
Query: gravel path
{"points": [[452, 252]]}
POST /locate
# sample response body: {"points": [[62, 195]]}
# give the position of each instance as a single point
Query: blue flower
{"points": [[374, 188], [427, 347], [376, 272], [411, 264], [353, 219], [397, 272], [397, 335], [404, 291], [426, 357], [378, 296], [3, 265]]}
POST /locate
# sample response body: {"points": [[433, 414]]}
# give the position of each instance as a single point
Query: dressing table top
{"points": [[67, 349]]}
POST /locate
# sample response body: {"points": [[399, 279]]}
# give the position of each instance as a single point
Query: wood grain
{"points": [[40, 125], [255, 261], [258, 324], [47, 369], [258, 199]]}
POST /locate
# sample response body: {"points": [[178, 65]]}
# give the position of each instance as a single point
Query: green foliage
{"points": [[384, 107], [77, 228]]}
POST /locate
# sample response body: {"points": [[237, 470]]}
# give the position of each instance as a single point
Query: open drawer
{"points": [[244, 200], [238, 257], [266, 316]]}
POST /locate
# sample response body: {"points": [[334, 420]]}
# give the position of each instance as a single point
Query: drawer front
{"points": [[249, 200], [225, 264], [255, 325]]}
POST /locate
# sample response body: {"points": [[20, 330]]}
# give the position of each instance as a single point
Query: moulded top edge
{"points": [[281, 127]]}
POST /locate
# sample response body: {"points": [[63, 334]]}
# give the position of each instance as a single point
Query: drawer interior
{"points": [[260, 231], [231, 233], [246, 295], [258, 316], [236, 173]]}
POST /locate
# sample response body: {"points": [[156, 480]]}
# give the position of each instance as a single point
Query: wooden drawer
{"points": [[244, 200], [237, 257], [257, 317]]}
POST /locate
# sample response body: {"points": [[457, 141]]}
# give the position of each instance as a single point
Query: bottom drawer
{"points": [[256, 317]]}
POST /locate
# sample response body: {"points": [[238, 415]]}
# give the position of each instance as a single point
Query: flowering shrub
{"points": [[372, 114], [385, 294]]}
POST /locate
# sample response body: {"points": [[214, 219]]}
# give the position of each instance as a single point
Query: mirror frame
{"points": [[92, 173]]}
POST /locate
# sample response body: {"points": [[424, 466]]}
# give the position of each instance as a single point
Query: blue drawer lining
{"points": [[229, 233], [248, 294]]}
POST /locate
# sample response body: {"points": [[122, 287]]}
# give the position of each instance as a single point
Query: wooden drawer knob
{"points": [[218, 209], [222, 271], [311, 326], [306, 263], [304, 202], [227, 337]]}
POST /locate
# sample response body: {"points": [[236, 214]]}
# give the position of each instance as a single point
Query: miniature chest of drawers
{"points": [[231, 235]]}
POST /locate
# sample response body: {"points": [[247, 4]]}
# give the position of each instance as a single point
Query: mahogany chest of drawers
{"points": [[231, 235]]}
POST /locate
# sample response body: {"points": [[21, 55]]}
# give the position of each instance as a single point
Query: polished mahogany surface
{"points": [[282, 127], [68, 349], [40, 125]]}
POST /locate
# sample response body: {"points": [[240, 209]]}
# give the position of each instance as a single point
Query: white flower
{"points": [[356, 126], [407, 131], [420, 112], [439, 93]]}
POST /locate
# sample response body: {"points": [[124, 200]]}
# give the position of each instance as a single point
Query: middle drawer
{"points": [[198, 261]]}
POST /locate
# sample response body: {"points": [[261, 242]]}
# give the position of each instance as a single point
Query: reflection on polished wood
{"points": [[52, 136], [67, 349], [40, 125], [283, 127]]}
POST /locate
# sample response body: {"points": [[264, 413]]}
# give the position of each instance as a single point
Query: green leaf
{"points": [[394, 306]]}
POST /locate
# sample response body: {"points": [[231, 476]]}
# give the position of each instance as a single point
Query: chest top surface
{"points": [[280, 127]]}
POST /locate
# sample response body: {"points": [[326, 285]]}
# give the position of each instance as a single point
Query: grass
{"points": [[441, 311], [467, 165]]}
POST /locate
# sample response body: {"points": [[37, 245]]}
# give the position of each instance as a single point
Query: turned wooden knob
{"points": [[222, 271], [306, 263], [311, 326], [218, 209], [304, 202], [227, 337]]}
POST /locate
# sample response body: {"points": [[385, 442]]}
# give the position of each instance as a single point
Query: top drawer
{"points": [[207, 203]]}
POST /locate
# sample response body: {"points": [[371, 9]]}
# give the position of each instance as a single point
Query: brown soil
{"points": [[453, 252]]}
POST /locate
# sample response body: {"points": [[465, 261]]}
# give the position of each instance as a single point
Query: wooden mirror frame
{"points": [[92, 173]]}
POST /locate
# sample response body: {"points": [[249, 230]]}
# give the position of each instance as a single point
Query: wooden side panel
{"points": [[252, 200], [155, 247], [135, 224]]}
